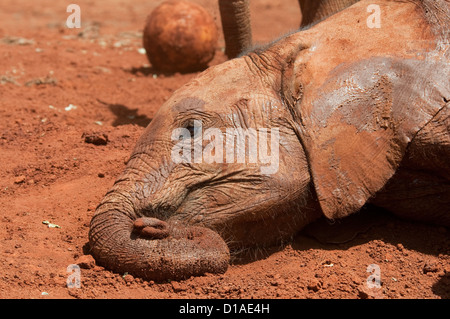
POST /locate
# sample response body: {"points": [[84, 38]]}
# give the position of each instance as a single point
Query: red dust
{"points": [[58, 83]]}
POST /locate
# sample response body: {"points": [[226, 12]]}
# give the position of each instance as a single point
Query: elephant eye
{"points": [[193, 128]]}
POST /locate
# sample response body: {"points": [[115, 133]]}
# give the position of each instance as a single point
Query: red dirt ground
{"points": [[49, 173]]}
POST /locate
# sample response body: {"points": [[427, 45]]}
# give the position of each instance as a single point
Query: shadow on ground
{"points": [[370, 224], [442, 287], [125, 115], [151, 71]]}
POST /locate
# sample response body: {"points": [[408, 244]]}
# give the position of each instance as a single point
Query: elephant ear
{"points": [[358, 128]]}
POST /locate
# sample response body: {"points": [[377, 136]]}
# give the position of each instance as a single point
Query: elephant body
{"points": [[361, 115]]}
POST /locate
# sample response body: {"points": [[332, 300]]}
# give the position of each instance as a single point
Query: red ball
{"points": [[180, 36]]}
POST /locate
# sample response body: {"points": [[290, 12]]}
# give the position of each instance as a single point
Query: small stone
{"points": [[95, 138], [177, 287], [101, 175], [19, 179], [362, 292], [314, 285], [226, 289], [86, 262], [327, 263], [70, 107], [447, 269], [277, 282], [128, 278], [430, 267]]}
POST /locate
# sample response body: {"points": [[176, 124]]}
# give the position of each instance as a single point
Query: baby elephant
{"points": [[318, 123]]}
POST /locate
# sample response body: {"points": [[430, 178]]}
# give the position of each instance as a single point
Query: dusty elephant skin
{"points": [[362, 115], [236, 24]]}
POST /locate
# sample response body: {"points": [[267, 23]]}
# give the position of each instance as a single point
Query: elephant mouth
{"points": [[151, 228], [153, 249], [182, 251]]}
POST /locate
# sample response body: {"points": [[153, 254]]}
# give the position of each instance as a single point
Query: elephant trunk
{"points": [[235, 15], [185, 251]]}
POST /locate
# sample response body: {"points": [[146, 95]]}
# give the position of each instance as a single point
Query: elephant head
{"points": [[176, 211], [332, 115]]}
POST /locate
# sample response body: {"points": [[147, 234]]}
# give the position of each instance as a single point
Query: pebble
{"points": [[388, 257], [430, 267], [19, 179], [86, 262], [70, 107], [314, 285], [128, 278], [277, 282], [95, 138], [362, 292], [447, 269], [177, 287]]}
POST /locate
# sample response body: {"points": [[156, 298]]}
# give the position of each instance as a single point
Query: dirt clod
{"points": [[20, 179], [95, 138], [314, 285], [85, 262], [430, 267], [128, 278], [177, 287]]}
